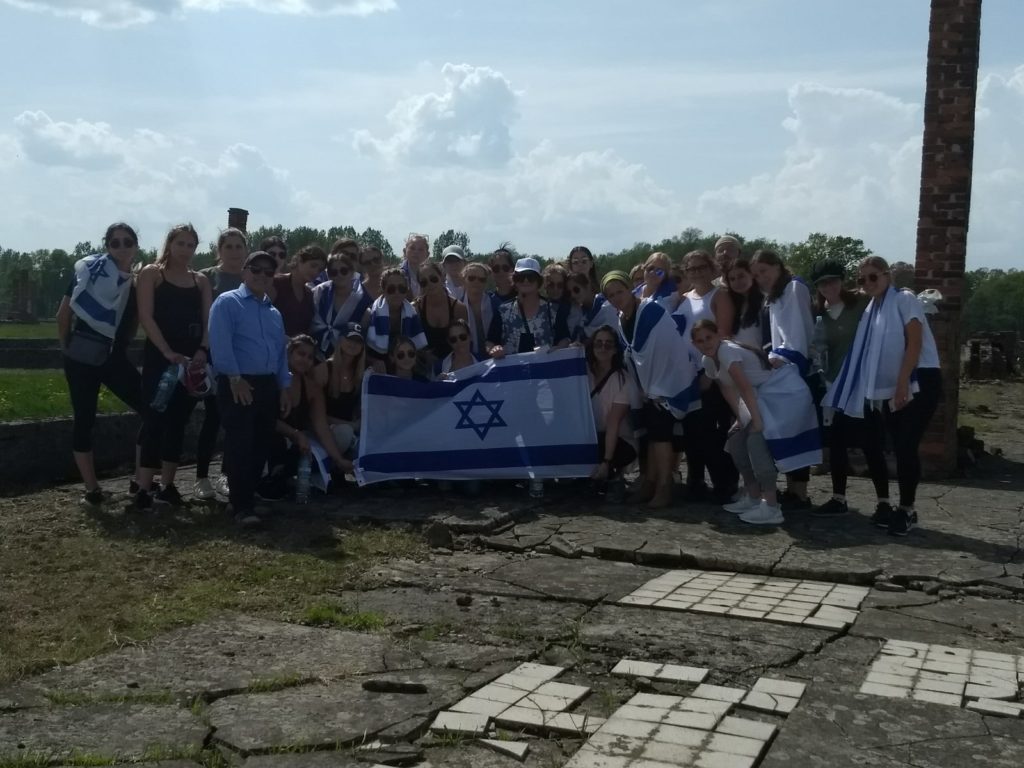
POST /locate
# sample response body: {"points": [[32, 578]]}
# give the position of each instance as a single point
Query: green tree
{"points": [[371, 236], [336, 233], [300, 237], [997, 304], [801, 257], [451, 237], [258, 235]]}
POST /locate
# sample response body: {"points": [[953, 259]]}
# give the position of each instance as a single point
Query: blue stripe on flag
{"points": [[392, 386], [782, 447], [95, 310], [794, 357], [445, 460]]}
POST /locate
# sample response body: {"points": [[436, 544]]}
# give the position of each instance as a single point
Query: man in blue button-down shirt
{"points": [[247, 347]]}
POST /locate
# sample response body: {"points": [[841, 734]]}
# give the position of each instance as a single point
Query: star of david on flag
{"points": [[479, 401], [525, 416]]}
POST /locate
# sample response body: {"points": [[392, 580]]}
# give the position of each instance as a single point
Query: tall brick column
{"points": [[954, 38], [238, 218]]}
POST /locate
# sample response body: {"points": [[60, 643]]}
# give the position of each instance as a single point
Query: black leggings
{"points": [[207, 442], [163, 434], [117, 374], [704, 435], [906, 427]]}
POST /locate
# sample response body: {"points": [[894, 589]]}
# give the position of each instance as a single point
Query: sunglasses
{"points": [[118, 242], [258, 271], [431, 279], [501, 268], [475, 279], [699, 268], [872, 278], [459, 337], [655, 270], [396, 289], [404, 355], [525, 277], [599, 344], [279, 254], [341, 271]]}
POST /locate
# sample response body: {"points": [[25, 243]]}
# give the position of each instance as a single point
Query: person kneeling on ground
{"points": [[611, 396]]}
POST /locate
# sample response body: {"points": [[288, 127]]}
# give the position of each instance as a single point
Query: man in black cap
{"points": [[247, 345]]}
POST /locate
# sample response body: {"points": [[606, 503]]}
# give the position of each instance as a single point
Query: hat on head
{"points": [[726, 239], [260, 256], [616, 276], [453, 252], [527, 265], [353, 331], [827, 270]]}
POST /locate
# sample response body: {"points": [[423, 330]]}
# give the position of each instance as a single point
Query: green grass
{"points": [[327, 615], [41, 394], [46, 329]]}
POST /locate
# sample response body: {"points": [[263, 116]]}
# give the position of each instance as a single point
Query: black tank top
{"points": [[344, 405], [298, 417], [178, 312], [437, 338]]}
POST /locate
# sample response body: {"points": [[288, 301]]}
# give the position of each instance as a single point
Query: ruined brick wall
{"points": [[946, 165]]}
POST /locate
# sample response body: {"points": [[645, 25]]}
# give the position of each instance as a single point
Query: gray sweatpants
{"points": [[752, 458]]}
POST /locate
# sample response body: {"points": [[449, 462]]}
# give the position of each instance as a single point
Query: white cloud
{"points": [[80, 144], [467, 124], [125, 13], [853, 167]]}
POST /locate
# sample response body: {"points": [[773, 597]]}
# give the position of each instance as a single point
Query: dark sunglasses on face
{"points": [[524, 277], [871, 278], [458, 337], [655, 270], [431, 279], [396, 289], [339, 271], [118, 242], [604, 344], [261, 270], [404, 355], [501, 268]]}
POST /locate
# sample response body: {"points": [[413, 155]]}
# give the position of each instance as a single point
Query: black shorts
{"points": [[661, 425]]}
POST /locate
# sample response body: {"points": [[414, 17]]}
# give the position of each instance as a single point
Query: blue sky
{"points": [[547, 124]]}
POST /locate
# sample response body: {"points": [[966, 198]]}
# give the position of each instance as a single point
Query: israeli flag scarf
{"points": [[329, 324], [380, 326], [871, 368], [600, 313], [101, 293]]}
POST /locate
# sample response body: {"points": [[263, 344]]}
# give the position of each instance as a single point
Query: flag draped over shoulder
{"points": [[526, 416]]}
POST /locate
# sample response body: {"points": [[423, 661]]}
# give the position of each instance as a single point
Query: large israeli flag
{"points": [[526, 416]]}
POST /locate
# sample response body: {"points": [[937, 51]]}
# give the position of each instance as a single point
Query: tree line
{"points": [[994, 298]]}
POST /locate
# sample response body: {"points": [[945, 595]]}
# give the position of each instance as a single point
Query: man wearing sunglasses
{"points": [[248, 343]]}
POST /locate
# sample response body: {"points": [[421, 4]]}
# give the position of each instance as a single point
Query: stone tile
{"points": [[936, 697], [711, 706], [940, 686], [701, 721], [780, 687], [889, 691], [682, 674], [1004, 693], [526, 717], [666, 753], [518, 682], [635, 729], [545, 703], [541, 671], [502, 693], [654, 700], [718, 693], [516, 749], [736, 745], [993, 707], [813, 621], [636, 668], [479, 706], [587, 759], [751, 729], [882, 678], [724, 760], [573, 693], [955, 668], [686, 737], [465, 723], [772, 703], [611, 744], [646, 714], [747, 614], [634, 600], [784, 618], [573, 723]]}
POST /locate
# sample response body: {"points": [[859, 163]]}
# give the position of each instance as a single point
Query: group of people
{"points": [[731, 362]]}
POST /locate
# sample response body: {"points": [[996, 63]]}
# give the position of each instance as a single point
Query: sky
{"points": [[547, 124]]}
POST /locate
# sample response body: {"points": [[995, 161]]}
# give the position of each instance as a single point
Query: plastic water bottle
{"points": [[302, 479], [165, 389], [536, 489]]}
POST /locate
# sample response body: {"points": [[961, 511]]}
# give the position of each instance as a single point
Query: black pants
{"points": [[248, 432], [207, 442], [704, 435], [846, 433], [906, 427], [117, 374], [163, 434], [624, 455]]}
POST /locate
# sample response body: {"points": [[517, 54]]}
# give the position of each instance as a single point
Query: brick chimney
{"points": [[954, 38], [237, 218]]}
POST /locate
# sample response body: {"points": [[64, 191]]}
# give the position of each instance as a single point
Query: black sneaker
{"points": [[831, 508], [133, 487], [902, 522], [790, 502], [883, 514], [168, 495], [143, 501], [93, 500], [245, 518]]}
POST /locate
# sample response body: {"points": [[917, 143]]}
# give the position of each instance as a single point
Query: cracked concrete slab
{"points": [[115, 732], [586, 580]]}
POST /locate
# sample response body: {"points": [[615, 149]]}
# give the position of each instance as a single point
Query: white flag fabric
{"points": [[526, 416]]}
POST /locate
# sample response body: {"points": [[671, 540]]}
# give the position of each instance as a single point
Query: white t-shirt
{"points": [[911, 308], [616, 391], [750, 363]]}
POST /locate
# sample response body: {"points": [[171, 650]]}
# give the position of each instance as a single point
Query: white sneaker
{"points": [[765, 514], [220, 486], [745, 504], [203, 489]]}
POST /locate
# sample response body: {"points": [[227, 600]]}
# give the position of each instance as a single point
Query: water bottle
{"points": [[165, 389], [302, 479], [536, 489]]}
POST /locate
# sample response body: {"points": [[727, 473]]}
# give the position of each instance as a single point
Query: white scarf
{"points": [[100, 294], [378, 336], [486, 318], [329, 324], [660, 361], [792, 325], [871, 368]]}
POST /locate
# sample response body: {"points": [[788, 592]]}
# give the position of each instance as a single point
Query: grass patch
{"points": [[271, 684], [41, 394], [78, 699], [42, 330], [75, 585], [327, 615]]}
